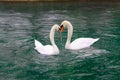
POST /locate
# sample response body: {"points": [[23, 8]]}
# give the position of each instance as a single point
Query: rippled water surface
{"points": [[21, 23]]}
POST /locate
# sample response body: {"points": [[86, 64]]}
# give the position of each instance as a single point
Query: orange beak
{"points": [[61, 28]]}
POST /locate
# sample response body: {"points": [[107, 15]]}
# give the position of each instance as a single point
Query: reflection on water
{"points": [[21, 23]]}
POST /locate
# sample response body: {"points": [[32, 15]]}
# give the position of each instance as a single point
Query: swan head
{"points": [[55, 27], [61, 28], [64, 24]]}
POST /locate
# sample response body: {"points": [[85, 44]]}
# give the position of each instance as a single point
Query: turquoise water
{"points": [[21, 23]]}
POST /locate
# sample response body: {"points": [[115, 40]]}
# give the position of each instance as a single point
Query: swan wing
{"points": [[39, 47], [38, 44], [82, 43]]}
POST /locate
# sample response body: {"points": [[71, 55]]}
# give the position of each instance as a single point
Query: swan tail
{"points": [[97, 39], [38, 44], [93, 41]]}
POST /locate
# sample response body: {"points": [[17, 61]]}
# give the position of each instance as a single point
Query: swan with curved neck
{"points": [[48, 49], [77, 43]]}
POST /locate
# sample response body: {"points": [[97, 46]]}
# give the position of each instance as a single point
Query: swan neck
{"points": [[52, 32], [70, 32]]}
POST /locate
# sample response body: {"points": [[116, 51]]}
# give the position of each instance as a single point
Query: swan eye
{"points": [[61, 28]]}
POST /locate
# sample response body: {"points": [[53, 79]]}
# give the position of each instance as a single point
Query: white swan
{"points": [[48, 49], [77, 43]]}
